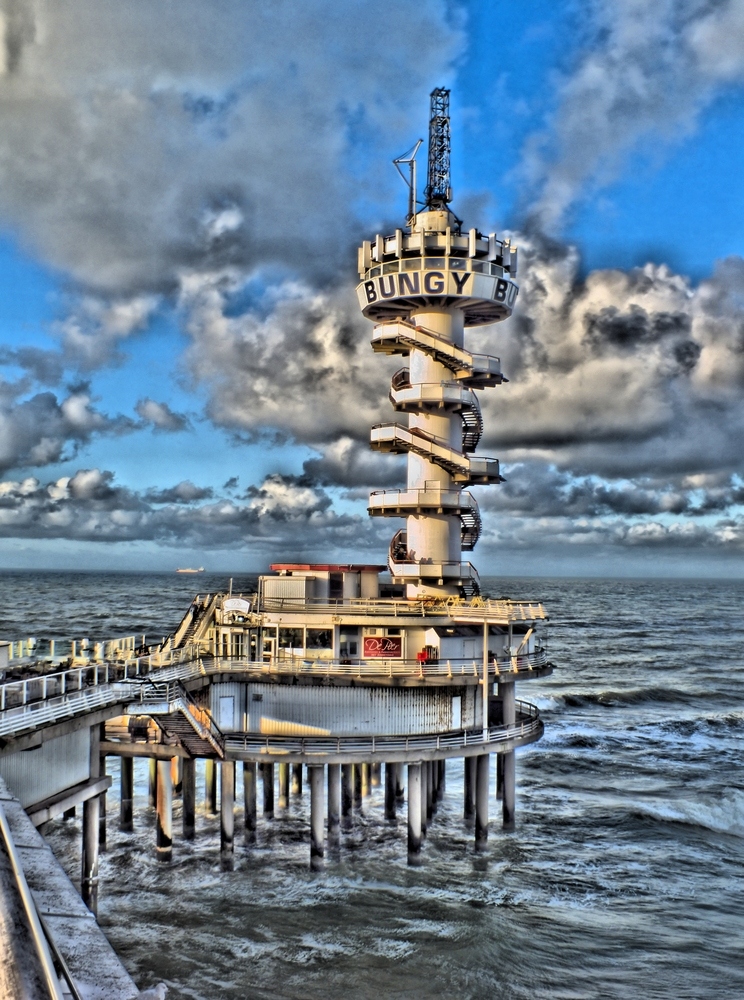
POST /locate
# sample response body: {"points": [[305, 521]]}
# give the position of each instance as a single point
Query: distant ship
{"points": [[188, 570]]}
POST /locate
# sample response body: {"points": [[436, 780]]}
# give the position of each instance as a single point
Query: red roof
{"points": [[325, 568]]}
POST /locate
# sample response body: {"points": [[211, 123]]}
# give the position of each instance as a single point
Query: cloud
{"points": [[647, 69], [137, 141], [44, 428], [296, 363], [161, 416], [90, 506]]}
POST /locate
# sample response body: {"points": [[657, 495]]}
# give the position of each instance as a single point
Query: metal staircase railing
{"points": [[170, 697]]}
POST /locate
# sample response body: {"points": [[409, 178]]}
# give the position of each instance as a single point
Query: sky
{"points": [[185, 377]]}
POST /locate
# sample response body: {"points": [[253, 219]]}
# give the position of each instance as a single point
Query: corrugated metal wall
{"points": [[224, 690], [347, 711], [35, 775]]}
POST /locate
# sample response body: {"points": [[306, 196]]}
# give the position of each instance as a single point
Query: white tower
{"points": [[424, 286]]}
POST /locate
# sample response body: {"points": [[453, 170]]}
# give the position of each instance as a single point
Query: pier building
{"points": [[328, 673]]}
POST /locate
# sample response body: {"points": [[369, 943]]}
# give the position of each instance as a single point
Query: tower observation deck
{"points": [[424, 285]]}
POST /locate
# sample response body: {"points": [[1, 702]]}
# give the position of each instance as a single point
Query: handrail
{"points": [[37, 933], [528, 724]]}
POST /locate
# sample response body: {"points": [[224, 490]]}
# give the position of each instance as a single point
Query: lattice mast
{"points": [[424, 286]]}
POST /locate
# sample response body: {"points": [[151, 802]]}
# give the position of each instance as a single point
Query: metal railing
{"points": [[528, 725], [177, 698], [384, 668], [456, 609], [38, 937]]}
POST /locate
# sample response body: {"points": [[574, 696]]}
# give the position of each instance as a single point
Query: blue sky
{"points": [[184, 377]]}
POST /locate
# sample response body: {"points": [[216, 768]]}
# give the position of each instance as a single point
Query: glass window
{"points": [[374, 272], [413, 264], [319, 638], [391, 268], [290, 638], [435, 263], [478, 265], [457, 264]]}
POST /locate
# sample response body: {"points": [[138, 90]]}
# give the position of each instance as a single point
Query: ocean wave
{"points": [[721, 815], [629, 696]]}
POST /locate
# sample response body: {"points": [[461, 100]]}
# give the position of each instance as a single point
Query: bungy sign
{"points": [[382, 646]]}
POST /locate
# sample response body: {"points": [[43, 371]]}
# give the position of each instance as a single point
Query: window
{"points": [[349, 642], [319, 638], [290, 638]]}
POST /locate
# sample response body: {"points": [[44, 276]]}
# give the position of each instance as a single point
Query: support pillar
{"points": [[499, 776], [429, 789], [210, 786], [481, 801], [366, 779], [469, 782], [188, 786], [102, 805], [227, 812], [267, 771], [126, 800], [347, 795], [152, 783], [297, 779], [442, 776], [91, 809], [414, 814], [358, 786], [283, 786], [391, 773], [249, 798], [334, 802], [376, 774], [316, 816], [508, 801], [400, 792], [164, 828], [177, 776], [424, 774], [506, 692]]}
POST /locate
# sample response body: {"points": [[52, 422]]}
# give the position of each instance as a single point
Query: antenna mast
{"points": [[410, 181], [438, 190]]}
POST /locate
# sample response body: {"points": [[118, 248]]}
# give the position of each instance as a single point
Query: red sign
{"points": [[382, 646]]}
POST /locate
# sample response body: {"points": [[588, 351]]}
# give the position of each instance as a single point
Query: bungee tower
{"points": [[328, 671], [424, 286]]}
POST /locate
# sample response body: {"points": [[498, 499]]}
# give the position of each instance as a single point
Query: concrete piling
{"points": [[507, 803], [188, 787], [164, 826], [347, 795], [249, 798], [316, 816], [499, 776], [102, 808], [481, 801], [297, 779], [152, 783], [357, 771], [375, 774], [469, 783], [400, 791], [366, 780], [391, 773], [227, 812], [283, 786], [267, 771], [414, 814], [334, 802], [429, 790], [126, 800], [423, 782], [177, 776], [210, 787], [91, 808]]}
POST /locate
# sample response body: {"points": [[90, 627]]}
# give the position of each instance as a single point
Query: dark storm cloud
{"points": [[45, 428], [141, 140], [89, 506]]}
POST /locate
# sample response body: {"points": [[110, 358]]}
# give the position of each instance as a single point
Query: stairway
{"points": [[180, 717]]}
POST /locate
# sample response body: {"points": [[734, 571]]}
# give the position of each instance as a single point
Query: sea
{"points": [[622, 879]]}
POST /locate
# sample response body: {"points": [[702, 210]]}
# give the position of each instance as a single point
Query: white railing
{"points": [[528, 727]]}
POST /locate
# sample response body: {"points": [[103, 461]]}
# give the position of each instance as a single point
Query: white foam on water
{"points": [[722, 815]]}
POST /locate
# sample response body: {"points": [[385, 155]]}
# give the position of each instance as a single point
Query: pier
{"points": [[331, 678]]}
